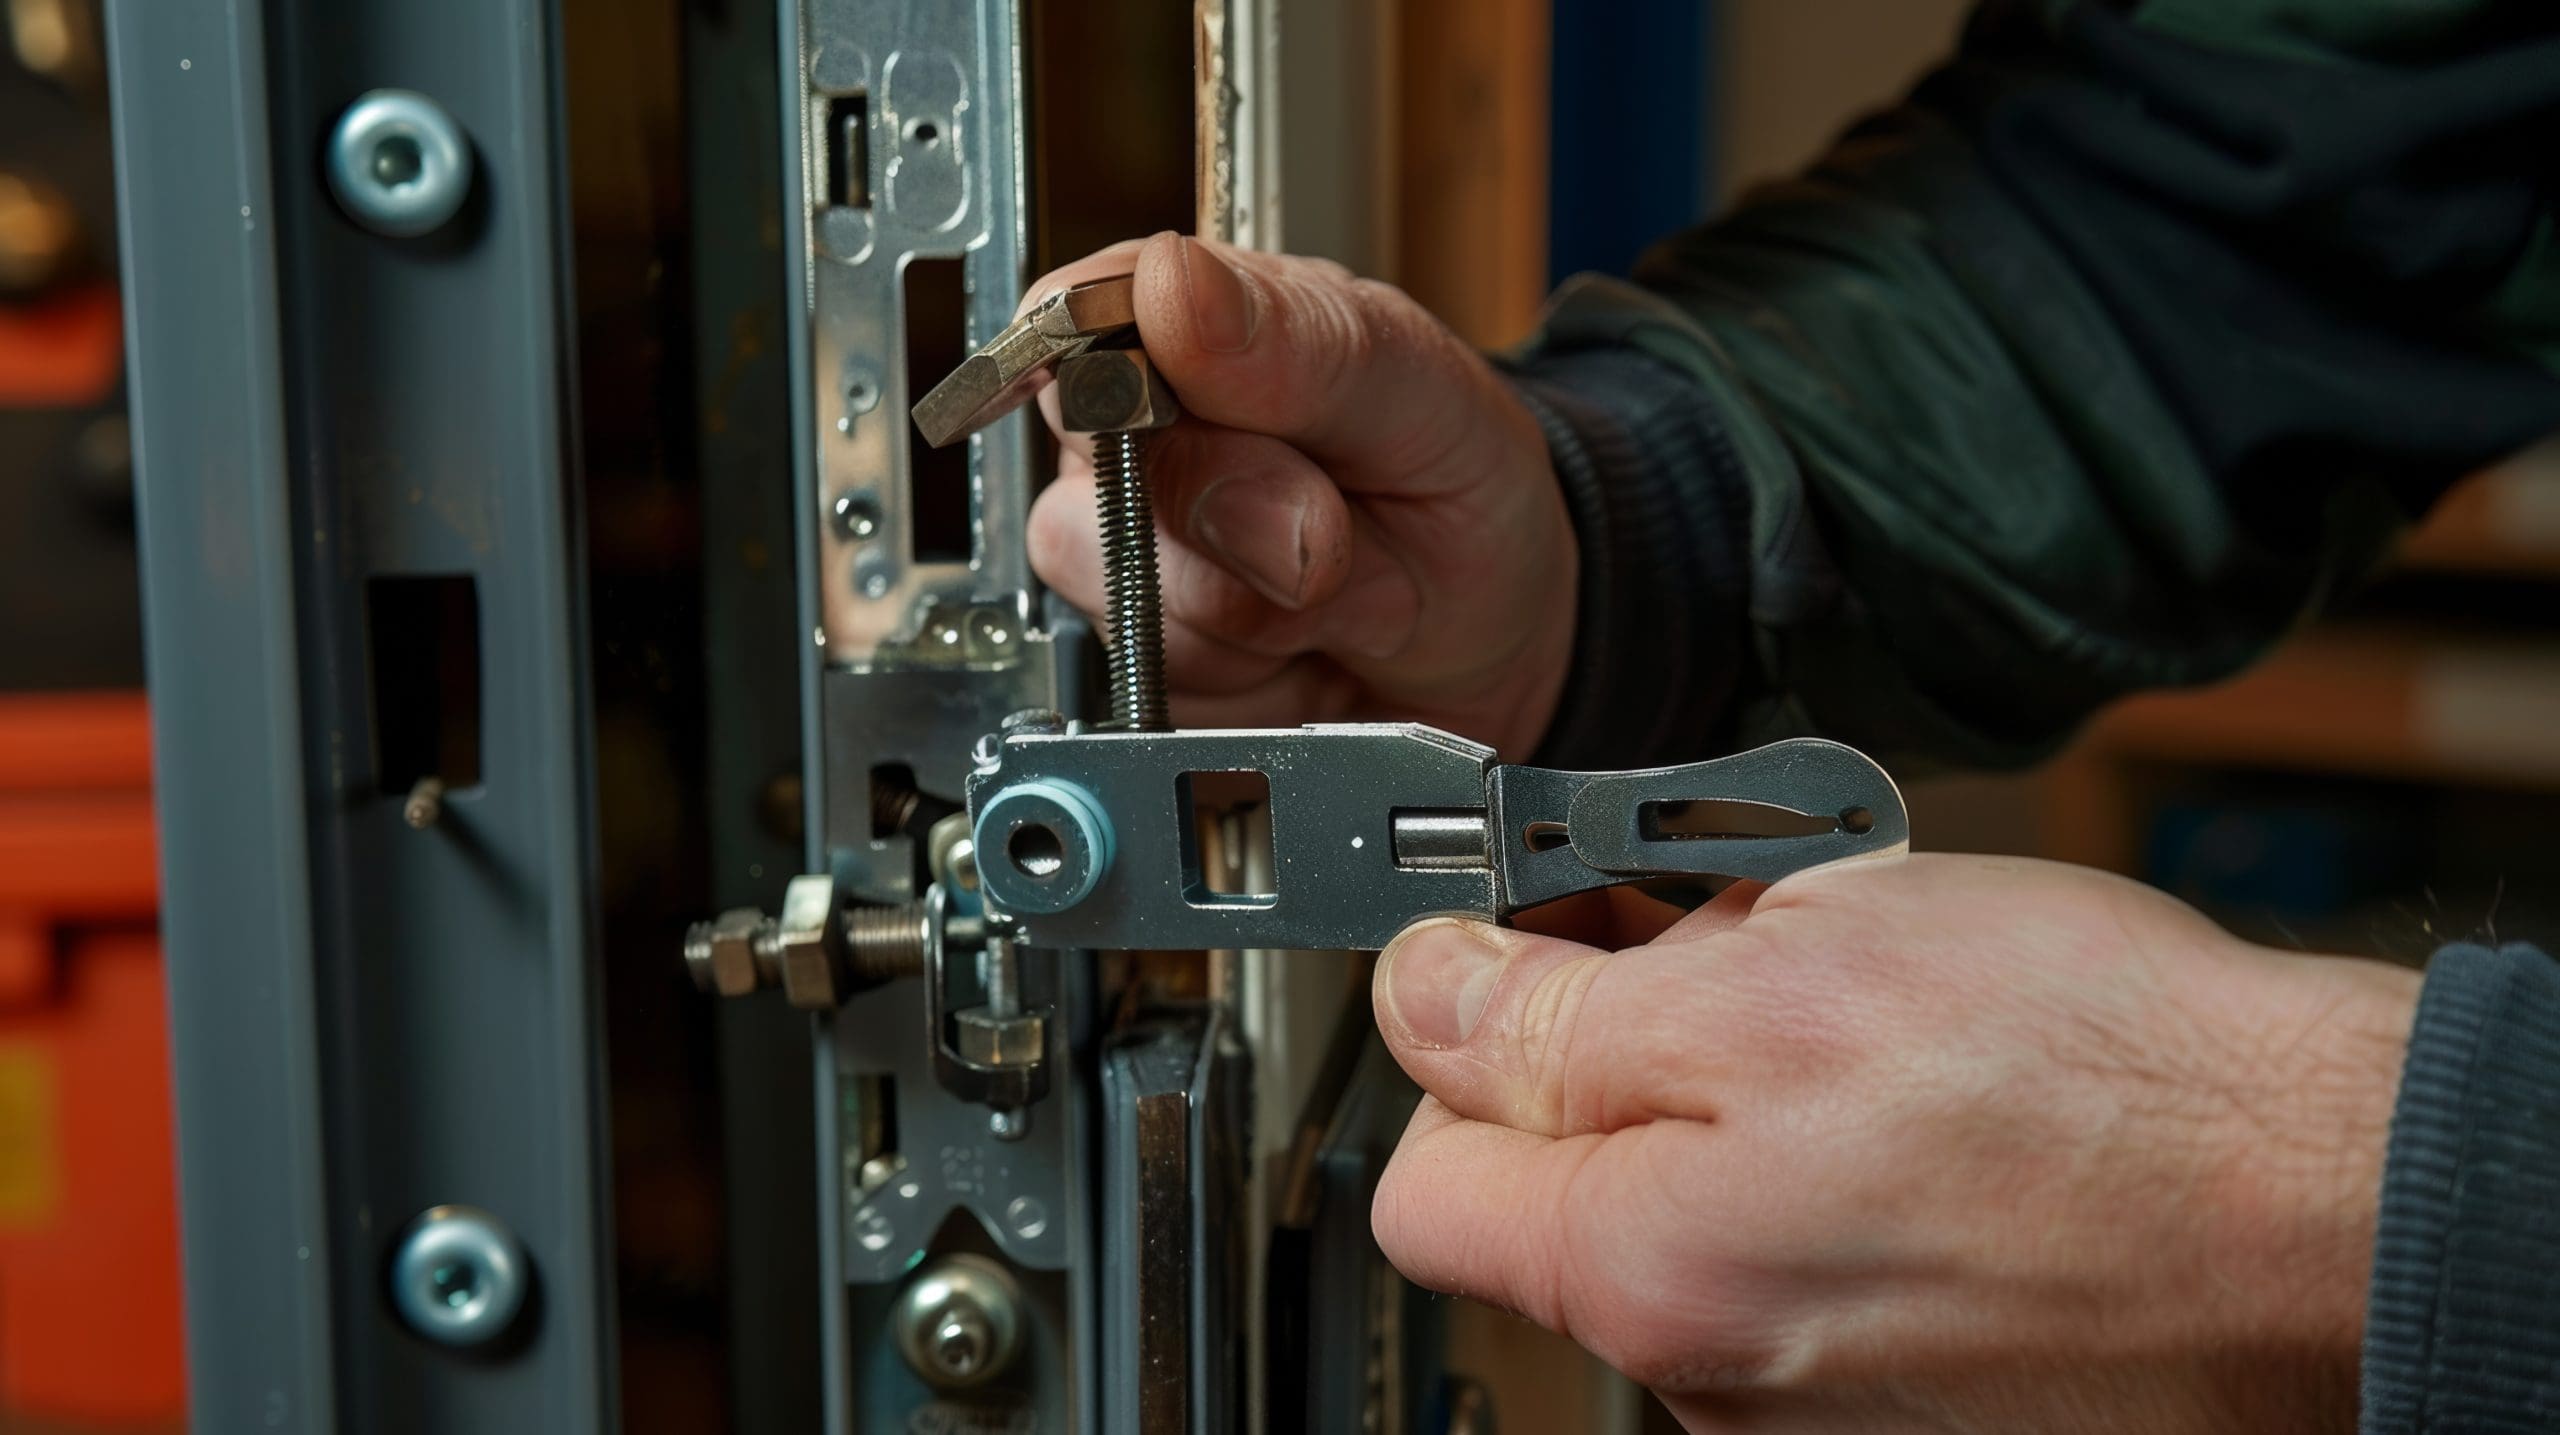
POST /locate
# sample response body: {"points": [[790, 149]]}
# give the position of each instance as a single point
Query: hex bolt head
{"points": [[1113, 391], [459, 1277], [399, 164]]}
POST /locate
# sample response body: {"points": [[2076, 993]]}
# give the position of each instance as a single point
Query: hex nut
{"points": [[990, 1040], [722, 952], [1113, 391], [809, 945]]}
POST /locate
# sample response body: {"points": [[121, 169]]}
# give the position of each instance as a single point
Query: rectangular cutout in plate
{"points": [[936, 313], [1227, 856], [848, 141], [422, 637]]}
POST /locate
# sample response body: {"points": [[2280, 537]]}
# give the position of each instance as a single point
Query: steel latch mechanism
{"points": [[1085, 836]]}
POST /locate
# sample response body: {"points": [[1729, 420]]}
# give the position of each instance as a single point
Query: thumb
{"points": [[1349, 370], [1485, 1019]]}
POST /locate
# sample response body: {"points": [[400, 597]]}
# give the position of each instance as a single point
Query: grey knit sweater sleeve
{"points": [[2462, 1336]]}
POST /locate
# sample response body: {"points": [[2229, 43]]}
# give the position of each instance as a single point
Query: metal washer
{"points": [[1066, 813]]}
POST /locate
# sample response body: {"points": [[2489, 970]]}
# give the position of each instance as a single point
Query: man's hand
{"points": [[1356, 517], [1940, 1143]]}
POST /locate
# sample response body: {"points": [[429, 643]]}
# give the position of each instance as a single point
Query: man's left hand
{"points": [[1933, 1143]]}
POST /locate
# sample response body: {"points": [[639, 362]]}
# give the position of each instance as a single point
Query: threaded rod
{"points": [[1136, 615], [885, 942]]}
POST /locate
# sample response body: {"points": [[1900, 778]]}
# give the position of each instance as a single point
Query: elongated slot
{"points": [[936, 308], [848, 142], [1720, 819]]}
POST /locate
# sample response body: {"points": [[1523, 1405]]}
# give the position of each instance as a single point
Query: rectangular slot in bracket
{"points": [[422, 636], [936, 314], [848, 142], [1228, 859]]}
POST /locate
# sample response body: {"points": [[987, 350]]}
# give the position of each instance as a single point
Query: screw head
{"points": [[959, 1323], [398, 163], [459, 1276]]}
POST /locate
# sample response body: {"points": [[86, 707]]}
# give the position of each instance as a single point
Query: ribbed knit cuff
{"points": [[2462, 1333], [1662, 513]]}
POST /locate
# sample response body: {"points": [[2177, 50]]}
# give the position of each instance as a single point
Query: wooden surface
{"points": [[1471, 223]]}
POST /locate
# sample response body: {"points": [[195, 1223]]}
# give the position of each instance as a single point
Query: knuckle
{"points": [[1336, 348], [1543, 1039]]}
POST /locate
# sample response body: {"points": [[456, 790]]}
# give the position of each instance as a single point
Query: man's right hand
{"points": [[1356, 518]]}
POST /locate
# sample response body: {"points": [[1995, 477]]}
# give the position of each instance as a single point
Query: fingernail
{"points": [[1438, 977], [1260, 533], [1223, 312]]}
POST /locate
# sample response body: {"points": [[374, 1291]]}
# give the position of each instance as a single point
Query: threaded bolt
{"points": [[1130, 587], [886, 942]]}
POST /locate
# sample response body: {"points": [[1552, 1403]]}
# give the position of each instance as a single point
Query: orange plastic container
{"points": [[90, 1324]]}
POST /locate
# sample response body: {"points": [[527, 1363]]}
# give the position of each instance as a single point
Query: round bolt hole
{"points": [[397, 161], [1036, 850], [1858, 821], [925, 132]]}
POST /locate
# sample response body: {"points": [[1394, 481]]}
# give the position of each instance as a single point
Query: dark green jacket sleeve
{"points": [[2462, 1334], [2134, 335]]}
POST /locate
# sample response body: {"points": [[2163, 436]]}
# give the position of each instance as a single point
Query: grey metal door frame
{"points": [[367, 1020]]}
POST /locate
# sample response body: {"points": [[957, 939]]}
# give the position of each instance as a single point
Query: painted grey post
{"points": [[356, 457]]}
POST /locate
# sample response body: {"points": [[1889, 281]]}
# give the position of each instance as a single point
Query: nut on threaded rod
{"points": [[815, 953], [1130, 585]]}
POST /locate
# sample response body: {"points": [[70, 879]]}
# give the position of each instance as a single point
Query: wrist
{"points": [[2300, 1186]]}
